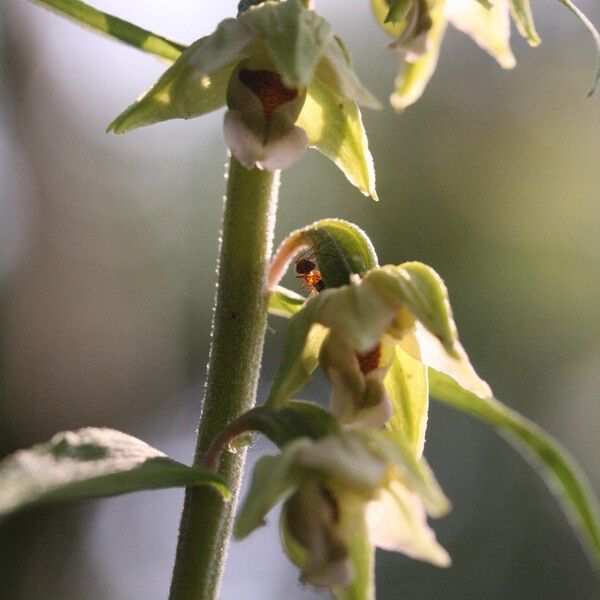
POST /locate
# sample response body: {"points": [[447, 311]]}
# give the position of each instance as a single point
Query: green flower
{"points": [[348, 484], [287, 82], [419, 31], [374, 340]]}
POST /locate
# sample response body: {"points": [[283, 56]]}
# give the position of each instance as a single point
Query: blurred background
{"points": [[107, 253]]}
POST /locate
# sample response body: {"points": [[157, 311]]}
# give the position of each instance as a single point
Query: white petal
{"points": [[285, 151], [489, 28], [397, 521], [243, 143]]}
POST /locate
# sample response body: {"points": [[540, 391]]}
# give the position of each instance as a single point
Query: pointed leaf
{"points": [[414, 76], [334, 127], [560, 471], [117, 28], [406, 386], [284, 302], [294, 36], [92, 463], [487, 27], [521, 14]]}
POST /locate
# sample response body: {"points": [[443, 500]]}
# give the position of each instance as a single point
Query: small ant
{"points": [[306, 269]]}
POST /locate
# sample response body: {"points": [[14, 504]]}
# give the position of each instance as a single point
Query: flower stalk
{"points": [[238, 329]]}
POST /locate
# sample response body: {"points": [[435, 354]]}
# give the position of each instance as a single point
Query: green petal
{"points": [[560, 471], [487, 27], [398, 11], [407, 387], [415, 76], [343, 249], [92, 463], [180, 93], [335, 72], [284, 302], [300, 354], [294, 36], [362, 558], [273, 479], [117, 28], [521, 14], [334, 127]]}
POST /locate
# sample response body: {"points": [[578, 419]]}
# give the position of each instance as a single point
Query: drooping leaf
{"points": [[117, 28], [521, 14], [414, 76], [362, 558], [284, 302], [595, 35], [560, 471], [487, 27], [342, 249], [300, 354], [334, 127], [407, 387], [92, 463], [294, 36]]}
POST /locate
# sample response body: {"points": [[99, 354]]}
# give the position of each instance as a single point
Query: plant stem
{"points": [[238, 330]]}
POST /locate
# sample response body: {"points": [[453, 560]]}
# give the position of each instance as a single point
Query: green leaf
{"points": [[334, 127], [590, 27], [300, 354], [92, 463], [195, 84], [286, 424], [414, 76], [560, 471], [521, 14], [294, 36], [117, 28], [407, 387], [284, 302], [398, 11], [272, 480], [342, 248], [362, 557]]}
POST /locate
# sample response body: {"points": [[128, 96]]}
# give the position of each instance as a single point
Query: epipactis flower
{"points": [[287, 82], [346, 489], [418, 27], [374, 340]]}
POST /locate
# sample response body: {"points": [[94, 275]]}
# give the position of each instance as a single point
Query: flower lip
{"points": [[268, 87], [370, 360]]}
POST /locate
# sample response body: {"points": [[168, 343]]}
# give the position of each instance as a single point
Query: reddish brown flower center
{"points": [[369, 361], [269, 88]]}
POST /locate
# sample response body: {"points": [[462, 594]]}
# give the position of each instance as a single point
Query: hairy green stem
{"points": [[238, 331]]}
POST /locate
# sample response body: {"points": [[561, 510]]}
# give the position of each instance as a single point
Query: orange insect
{"points": [[306, 269]]}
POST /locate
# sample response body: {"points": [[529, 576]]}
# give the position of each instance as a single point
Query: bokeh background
{"points": [[107, 253]]}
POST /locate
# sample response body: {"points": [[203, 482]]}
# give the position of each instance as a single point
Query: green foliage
{"points": [[117, 28], [92, 463], [557, 467]]}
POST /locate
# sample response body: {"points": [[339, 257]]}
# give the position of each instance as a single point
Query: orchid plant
{"points": [[351, 476]]}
